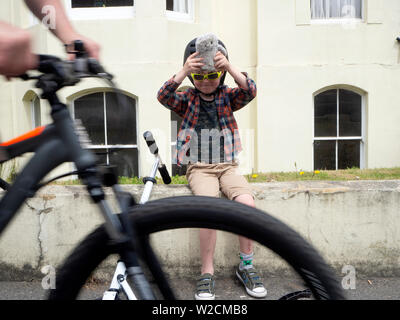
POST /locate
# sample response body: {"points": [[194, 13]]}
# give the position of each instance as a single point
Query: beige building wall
{"points": [[297, 58], [276, 42]]}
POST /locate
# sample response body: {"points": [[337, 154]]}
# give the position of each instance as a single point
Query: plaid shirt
{"points": [[187, 105]]}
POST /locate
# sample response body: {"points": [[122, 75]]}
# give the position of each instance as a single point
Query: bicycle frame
{"points": [[53, 145]]}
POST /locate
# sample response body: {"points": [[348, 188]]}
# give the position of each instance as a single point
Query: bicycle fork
{"points": [[123, 234], [119, 282]]}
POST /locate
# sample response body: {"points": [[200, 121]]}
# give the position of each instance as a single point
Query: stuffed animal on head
{"points": [[207, 46]]}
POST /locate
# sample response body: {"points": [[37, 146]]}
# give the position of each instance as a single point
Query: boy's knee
{"points": [[245, 199]]}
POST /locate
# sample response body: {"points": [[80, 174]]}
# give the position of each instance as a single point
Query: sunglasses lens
{"points": [[213, 76], [198, 76]]}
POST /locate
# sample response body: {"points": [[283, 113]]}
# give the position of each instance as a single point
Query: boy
{"points": [[210, 132]]}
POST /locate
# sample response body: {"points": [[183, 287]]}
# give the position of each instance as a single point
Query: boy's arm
{"points": [[178, 101], [246, 90], [175, 101], [239, 77], [243, 94]]}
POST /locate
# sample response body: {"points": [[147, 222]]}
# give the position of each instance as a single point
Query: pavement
{"points": [[226, 289]]}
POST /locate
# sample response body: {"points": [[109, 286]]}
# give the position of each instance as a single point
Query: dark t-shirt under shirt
{"points": [[208, 139]]}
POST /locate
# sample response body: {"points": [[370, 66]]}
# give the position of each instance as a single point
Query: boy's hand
{"points": [[221, 63], [193, 64]]}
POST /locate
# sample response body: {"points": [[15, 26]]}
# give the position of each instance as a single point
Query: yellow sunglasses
{"points": [[210, 76]]}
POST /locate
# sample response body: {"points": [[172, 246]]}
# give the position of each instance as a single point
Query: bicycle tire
{"points": [[204, 212]]}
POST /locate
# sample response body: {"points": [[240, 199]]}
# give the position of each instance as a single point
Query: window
{"points": [[100, 3], [338, 130], [180, 9], [111, 129], [35, 112], [100, 9], [175, 125], [336, 9]]}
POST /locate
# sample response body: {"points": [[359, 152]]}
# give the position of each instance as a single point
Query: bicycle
{"points": [[118, 283], [127, 233]]}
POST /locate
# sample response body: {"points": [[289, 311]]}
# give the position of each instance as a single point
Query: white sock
{"points": [[246, 261]]}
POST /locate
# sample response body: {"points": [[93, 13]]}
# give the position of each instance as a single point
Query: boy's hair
{"points": [[203, 43]]}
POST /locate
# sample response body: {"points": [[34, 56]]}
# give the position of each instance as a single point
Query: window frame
{"points": [[340, 20], [100, 13], [106, 145], [338, 138], [179, 16]]}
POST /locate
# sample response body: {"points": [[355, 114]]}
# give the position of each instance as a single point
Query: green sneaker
{"points": [[252, 282], [205, 287]]}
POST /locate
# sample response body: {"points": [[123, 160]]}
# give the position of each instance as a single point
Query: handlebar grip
{"points": [[164, 174], [151, 143]]}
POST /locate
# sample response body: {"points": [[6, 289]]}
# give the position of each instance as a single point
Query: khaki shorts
{"points": [[209, 179]]}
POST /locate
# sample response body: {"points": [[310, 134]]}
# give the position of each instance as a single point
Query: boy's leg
{"points": [[236, 188], [246, 245], [203, 182], [208, 239]]}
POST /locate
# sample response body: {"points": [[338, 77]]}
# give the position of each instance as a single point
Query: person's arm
{"points": [[239, 96], [172, 100], [63, 27], [223, 64], [167, 95], [246, 90], [191, 65]]}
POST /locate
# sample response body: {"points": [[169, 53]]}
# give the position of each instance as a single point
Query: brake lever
{"points": [[95, 67], [27, 77]]}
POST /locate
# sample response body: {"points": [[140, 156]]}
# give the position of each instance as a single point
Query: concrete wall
{"points": [[350, 223]]}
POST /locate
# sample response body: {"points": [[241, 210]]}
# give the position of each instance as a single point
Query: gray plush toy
{"points": [[207, 46]]}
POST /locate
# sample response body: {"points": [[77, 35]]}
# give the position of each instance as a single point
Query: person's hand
{"points": [[16, 55], [193, 64], [91, 47], [221, 63]]}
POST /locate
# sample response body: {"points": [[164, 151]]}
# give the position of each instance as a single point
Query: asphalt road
{"points": [[226, 289]]}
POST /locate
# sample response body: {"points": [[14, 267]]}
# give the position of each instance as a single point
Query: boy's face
{"points": [[207, 86]]}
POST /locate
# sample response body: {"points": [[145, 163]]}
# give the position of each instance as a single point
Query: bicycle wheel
{"points": [[211, 213]]}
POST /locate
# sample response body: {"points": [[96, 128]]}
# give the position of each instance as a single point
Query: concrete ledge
{"points": [[350, 223]]}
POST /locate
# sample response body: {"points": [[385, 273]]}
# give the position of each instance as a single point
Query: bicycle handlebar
{"points": [[164, 174], [57, 73], [151, 143]]}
